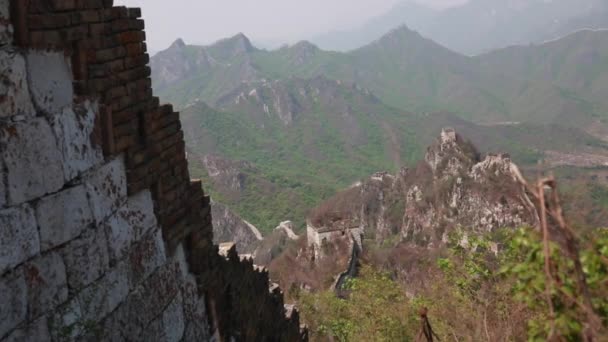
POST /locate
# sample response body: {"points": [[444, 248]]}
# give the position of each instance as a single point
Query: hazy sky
{"points": [[205, 21]]}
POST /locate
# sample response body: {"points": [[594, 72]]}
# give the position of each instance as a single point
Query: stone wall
{"points": [[103, 235]]}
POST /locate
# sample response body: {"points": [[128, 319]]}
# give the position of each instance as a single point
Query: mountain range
{"points": [[478, 26], [296, 124]]}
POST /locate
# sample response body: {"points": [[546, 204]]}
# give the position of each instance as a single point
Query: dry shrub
{"points": [[338, 207], [296, 268]]}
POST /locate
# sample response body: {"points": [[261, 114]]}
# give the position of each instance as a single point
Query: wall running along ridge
{"points": [[103, 236]]}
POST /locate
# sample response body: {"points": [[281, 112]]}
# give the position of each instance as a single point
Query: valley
{"points": [[404, 167], [298, 124]]}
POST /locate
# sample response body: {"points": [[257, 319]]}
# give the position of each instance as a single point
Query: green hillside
{"points": [[299, 123]]}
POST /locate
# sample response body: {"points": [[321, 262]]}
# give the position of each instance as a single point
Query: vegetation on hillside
{"points": [[544, 284], [349, 115], [471, 293]]}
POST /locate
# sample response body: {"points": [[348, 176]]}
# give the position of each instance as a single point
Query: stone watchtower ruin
{"points": [[103, 236]]}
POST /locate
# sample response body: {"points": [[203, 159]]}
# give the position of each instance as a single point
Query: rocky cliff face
{"points": [[227, 174], [177, 62], [289, 98], [452, 187], [229, 227]]}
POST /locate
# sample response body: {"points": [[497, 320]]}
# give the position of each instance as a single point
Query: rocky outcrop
{"points": [[229, 227], [452, 187], [178, 62], [228, 175], [287, 99], [224, 65]]}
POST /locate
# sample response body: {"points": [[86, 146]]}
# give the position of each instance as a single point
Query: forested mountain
{"points": [[300, 123]]}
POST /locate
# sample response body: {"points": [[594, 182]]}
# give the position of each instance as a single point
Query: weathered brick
{"points": [[50, 81], [107, 188], [47, 39], [122, 103], [35, 331], [13, 301], [124, 142], [91, 16], [131, 62], [37, 6], [75, 33], [137, 24], [123, 116], [46, 282], [63, 216], [119, 12], [6, 29], [134, 12], [14, 92], [134, 74], [99, 29], [48, 21], [100, 85], [86, 258], [73, 129], [89, 4], [128, 37], [64, 5], [135, 49], [115, 92], [19, 11], [110, 54]]}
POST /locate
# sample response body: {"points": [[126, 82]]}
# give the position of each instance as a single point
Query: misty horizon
{"points": [[268, 23]]}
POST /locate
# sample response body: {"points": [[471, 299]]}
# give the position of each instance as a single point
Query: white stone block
{"points": [[146, 256], [32, 160], [129, 224], [18, 236], [46, 282], [36, 331], [107, 188], [3, 192], [15, 96], [4, 9], [104, 296], [119, 234], [50, 81], [170, 326], [73, 129], [197, 327], [142, 217], [6, 29], [86, 258], [63, 216], [66, 322], [13, 301]]}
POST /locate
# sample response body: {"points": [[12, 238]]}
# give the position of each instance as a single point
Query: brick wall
{"points": [[103, 234]]}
